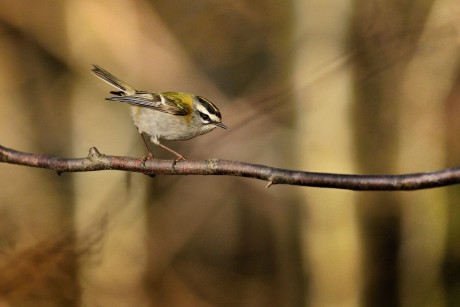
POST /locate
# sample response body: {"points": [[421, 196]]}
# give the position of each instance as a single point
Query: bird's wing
{"points": [[154, 101]]}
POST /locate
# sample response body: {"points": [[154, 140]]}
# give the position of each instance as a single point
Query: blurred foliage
{"points": [[362, 86]]}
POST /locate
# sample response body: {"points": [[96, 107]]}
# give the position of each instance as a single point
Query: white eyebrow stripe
{"points": [[202, 109], [214, 118]]}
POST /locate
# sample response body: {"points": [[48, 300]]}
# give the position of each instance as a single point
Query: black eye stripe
{"points": [[205, 117]]}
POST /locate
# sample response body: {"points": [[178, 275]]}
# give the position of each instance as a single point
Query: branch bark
{"points": [[95, 161]]}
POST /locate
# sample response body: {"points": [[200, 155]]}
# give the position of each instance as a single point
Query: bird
{"points": [[164, 115]]}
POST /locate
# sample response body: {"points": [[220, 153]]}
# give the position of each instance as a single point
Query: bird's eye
{"points": [[205, 117]]}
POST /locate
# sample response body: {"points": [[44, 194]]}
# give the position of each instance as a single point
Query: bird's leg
{"points": [[178, 155], [150, 155], [156, 141]]}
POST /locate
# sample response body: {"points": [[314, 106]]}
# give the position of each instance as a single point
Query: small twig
{"points": [[96, 161]]}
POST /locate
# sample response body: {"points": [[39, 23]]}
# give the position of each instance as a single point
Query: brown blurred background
{"points": [[369, 87]]}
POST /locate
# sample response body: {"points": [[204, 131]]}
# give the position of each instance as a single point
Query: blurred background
{"points": [[366, 87]]}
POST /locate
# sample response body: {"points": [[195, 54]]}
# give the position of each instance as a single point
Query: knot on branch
{"points": [[94, 154], [212, 164]]}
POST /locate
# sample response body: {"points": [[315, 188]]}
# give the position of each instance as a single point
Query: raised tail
{"points": [[114, 81]]}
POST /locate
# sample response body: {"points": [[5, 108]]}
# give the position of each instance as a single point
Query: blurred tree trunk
{"points": [[379, 56], [446, 68], [323, 95], [36, 208], [111, 215], [425, 87], [398, 116]]}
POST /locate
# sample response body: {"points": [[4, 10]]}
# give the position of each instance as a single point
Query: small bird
{"points": [[165, 115]]}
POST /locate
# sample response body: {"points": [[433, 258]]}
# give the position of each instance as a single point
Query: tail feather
{"points": [[113, 80]]}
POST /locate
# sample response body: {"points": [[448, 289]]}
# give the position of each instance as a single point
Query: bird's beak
{"points": [[221, 125]]}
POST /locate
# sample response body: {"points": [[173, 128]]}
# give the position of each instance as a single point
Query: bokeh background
{"points": [[367, 87]]}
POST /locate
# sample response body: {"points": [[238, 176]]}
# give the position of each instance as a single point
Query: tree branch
{"points": [[96, 161]]}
